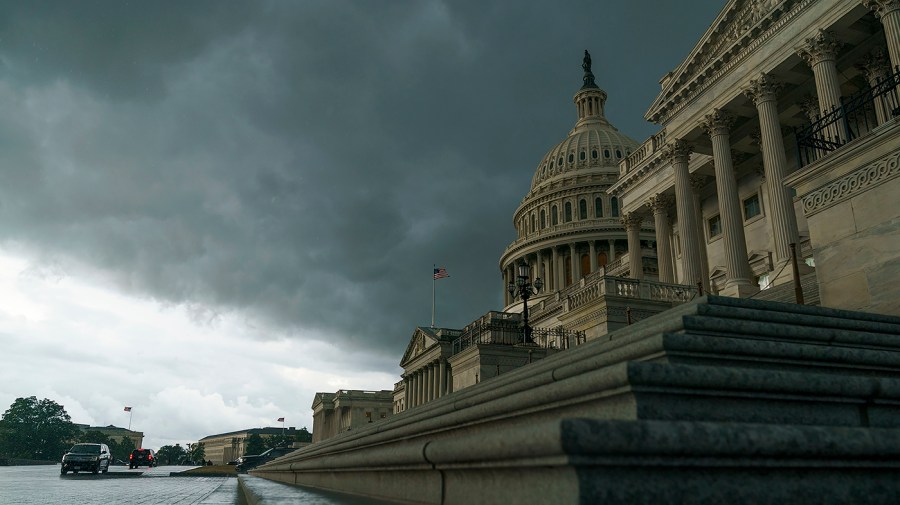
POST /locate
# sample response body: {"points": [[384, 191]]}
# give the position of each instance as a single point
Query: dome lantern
{"points": [[590, 99]]}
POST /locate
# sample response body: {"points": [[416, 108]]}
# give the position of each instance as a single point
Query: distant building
{"points": [[225, 447], [335, 413], [116, 433]]}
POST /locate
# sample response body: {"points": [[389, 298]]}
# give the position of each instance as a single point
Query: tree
{"points": [[170, 453], [197, 453], [36, 429], [278, 441], [122, 449], [255, 444], [304, 435]]}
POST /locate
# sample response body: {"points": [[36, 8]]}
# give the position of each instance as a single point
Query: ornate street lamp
{"points": [[523, 288]]}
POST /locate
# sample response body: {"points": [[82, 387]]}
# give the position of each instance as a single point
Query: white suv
{"points": [[93, 457]]}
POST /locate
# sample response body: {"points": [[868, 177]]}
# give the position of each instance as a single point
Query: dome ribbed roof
{"points": [[593, 145]]}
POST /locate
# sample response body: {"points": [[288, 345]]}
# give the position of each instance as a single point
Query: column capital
{"points": [[660, 203], [882, 7], [698, 182], [632, 221], [677, 151], [875, 64], [763, 89], [717, 123], [820, 47], [810, 105]]}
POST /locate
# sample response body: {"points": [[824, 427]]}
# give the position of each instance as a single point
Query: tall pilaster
{"points": [[697, 184], [820, 53], [737, 277], [763, 92], [632, 223], [678, 153], [593, 252], [888, 11], [612, 251], [442, 385], [573, 263], [539, 271], [874, 67], [555, 269], [406, 388], [660, 206]]}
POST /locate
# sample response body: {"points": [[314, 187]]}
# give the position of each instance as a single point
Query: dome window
{"points": [[568, 216], [551, 165], [571, 157], [618, 153], [606, 153], [554, 216], [581, 156], [543, 219], [544, 170], [598, 207], [614, 206], [594, 154], [560, 161], [582, 209]]}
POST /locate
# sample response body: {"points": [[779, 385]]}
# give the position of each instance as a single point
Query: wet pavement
{"points": [[44, 485]]}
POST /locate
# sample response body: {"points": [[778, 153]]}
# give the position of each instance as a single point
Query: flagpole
{"points": [[130, 414], [433, 266]]}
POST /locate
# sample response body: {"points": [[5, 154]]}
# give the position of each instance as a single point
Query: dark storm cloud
{"points": [[304, 163]]}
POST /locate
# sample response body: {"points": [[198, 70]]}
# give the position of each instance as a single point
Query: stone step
{"points": [[784, 293]]}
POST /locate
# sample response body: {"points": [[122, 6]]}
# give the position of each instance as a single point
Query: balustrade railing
{"points": [[856, 116], [644, 151]]}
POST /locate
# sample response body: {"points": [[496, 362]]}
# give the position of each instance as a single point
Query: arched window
{"points": [[571, 157], [582, 209], [614, 206], [554, 216], [598, 207], [585, 265], [532, 223], [581, 156], [543, 219], [568, 212], [601, 259]]}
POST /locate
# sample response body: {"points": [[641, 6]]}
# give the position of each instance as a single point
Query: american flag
{"points": [[127, 409], [440, 273], [280, 420]]}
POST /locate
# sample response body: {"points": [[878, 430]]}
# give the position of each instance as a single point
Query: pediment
{"points": [[421, 340], [737, 23]]}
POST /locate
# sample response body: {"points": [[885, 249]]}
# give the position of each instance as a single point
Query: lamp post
{"points": [[523, 288]]}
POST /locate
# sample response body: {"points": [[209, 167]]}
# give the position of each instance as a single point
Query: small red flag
{"points": [[280, 419], [127, 409]]}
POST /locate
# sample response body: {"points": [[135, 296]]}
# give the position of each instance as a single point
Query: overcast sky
{"points": [[211, 210]]}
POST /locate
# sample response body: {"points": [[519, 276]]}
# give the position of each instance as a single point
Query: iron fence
{"points": [[856, 116], [511, 333]]}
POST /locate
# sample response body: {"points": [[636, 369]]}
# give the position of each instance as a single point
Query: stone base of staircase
{"points": [[720, 400]]}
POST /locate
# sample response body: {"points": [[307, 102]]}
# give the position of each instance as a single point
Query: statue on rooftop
{"points": [[588, 75]]}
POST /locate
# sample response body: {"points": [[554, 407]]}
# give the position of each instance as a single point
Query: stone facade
{"points": [[116, 433], [225, 447], [347, 409], [781, 128]]}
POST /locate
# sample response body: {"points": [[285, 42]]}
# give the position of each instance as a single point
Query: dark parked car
{"points": [[250, 462], [142, 457], [93, 457]]}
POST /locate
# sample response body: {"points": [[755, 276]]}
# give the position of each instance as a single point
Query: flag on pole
{"points": [[127, 409], [280, 420], [440, 273]]}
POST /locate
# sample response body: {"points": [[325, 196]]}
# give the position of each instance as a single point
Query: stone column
{"points": [[763, 93], [820, 53], [660, 205], [573, 263], [406, 388], [738, 279], [875, 67], [593, 252], [505, 284], [553, 278], [678, 154], [436, 389], [431, 381], [442, 386], [697, 183], [539, 272], [612, 251], [420, 387], [888, 11], [632, 223]]}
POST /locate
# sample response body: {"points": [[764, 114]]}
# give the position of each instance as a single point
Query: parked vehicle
{"points": [[245, 463], [87, 457], [142, 457]]}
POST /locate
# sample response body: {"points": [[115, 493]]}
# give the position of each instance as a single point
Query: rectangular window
{"points": [[751, 207], [715, 226]]}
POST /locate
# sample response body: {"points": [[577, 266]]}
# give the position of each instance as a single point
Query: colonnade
{"points": [[820, 53], [563, 258], [431, 381]]}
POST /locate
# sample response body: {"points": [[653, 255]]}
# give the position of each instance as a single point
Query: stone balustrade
{"points": [[650, 146]]}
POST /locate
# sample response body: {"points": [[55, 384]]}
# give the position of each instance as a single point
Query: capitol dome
{"points": [[567, 226]]}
